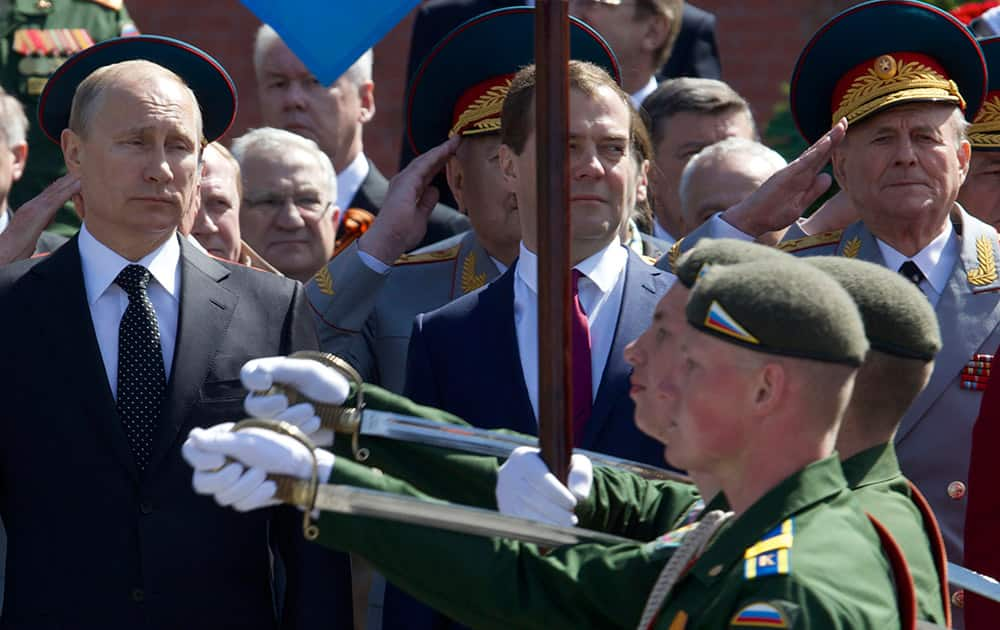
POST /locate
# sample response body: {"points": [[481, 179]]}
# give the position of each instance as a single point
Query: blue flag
{"points": [[329, 35]]}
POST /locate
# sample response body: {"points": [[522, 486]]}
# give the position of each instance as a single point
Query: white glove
{"points": [[313, 379], [526, 488], [243, 484]]}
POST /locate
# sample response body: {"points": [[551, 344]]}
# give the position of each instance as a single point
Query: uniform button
{"points": [[138, 595], [716, 570], [146, 507], [958, 598], [956, 490], [43, 5]]}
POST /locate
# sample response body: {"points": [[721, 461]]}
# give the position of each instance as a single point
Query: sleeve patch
{"points": [[759, 615]]}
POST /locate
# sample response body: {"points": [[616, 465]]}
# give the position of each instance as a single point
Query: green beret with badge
{"points": [[721, 251], [779, 307]]}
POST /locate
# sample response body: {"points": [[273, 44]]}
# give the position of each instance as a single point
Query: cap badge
{"points": [[719, 320], [885, 67]]}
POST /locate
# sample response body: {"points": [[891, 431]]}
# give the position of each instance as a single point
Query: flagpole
{"points": [[555, 431]]}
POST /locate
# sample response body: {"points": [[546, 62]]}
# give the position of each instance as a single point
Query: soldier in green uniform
{"points": [[38, 36], [747, 331]]}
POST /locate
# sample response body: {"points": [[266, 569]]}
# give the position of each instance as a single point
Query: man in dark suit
{"points": [[150, 335], [493, 380], [333, 117]]}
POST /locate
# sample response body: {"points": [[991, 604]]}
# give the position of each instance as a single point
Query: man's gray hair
{"points": [[277, 142], [741, 149], [14, 125], [360, 72]]}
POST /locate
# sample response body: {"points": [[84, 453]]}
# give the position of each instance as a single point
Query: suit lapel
{"points": [[639, 298], [967, 314], [499, 337], [206, 308], [372, 192], [62, 312]]}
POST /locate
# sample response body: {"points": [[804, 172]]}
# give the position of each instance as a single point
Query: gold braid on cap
{"points": [[888, 81], [483, 114], [985, 130]]}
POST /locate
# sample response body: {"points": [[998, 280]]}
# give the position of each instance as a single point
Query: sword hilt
{"points": [[291, 490], [337, 418]]}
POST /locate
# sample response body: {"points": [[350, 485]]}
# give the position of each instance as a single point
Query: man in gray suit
{"points": [[901, 164]]}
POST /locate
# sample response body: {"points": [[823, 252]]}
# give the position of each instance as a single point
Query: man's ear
{"points": [[366, 92], [642, 183], [838, 160], [456, 181], [508, 166], [72, 150], [770, 388], [20, 152], [654, 35], [964, 158]]}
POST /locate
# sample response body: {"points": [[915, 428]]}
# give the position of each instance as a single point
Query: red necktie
{"points": [[582, 385], [982, 514]]}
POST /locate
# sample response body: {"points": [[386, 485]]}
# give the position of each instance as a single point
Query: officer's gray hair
{"points": [[276, 142], [91, 91], [960, 126], [14, 125], [741, 150], [360, 72]]}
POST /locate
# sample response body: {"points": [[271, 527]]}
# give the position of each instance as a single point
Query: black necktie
{"points": [[912, 272], [141, 378]]}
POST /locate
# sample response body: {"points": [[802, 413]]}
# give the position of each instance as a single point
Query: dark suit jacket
{"points": [[443, 223], [464, 358], [696, 53], [92, 543]]}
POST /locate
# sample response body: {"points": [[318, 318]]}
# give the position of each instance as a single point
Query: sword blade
{"points": [[484, 442], [975, 582], [456, 518]]}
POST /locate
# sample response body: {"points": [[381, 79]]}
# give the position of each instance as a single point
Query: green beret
{"points": [[898, 318], [783, 307], [721, 251]]}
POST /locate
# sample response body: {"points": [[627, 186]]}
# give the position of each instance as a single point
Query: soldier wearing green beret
{"points": [[779, 560], [903, 334], [39, 35]]}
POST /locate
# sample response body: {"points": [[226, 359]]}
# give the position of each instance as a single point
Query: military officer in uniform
{"points": [[39, 35], [778, 560], [366, 298], [903, 92]]}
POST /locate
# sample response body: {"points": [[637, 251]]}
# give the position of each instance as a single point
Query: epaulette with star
{"points": [[438, 255]]}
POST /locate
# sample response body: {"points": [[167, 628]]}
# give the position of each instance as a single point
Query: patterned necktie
{"points": [[912, 272], [142, 380], [582, 384]]}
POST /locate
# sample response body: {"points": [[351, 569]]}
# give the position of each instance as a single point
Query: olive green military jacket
{"points": [[27, 62], [801, 577], [884, 492]]}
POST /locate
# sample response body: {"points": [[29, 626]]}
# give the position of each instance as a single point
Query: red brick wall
{"points": [[759, 40]]}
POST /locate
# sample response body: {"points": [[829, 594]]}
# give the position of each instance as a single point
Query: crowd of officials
{"points": [[816, 368]]}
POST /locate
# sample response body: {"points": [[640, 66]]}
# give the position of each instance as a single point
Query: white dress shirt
{"points": [[4, 220], [600, 289], [108, 301], [936, 262], [641, 94], [349, 181]]}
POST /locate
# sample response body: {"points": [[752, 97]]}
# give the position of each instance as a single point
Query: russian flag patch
{"points": [[719, 320], [759, 615]]}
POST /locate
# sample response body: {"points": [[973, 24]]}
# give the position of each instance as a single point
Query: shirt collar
{"points": [[101, 265], [349, 181], [4, 220], [929, 259], [602, 268], [643, 92]]}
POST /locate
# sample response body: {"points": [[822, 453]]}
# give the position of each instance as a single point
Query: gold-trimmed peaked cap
{"points": [[460, 86], [883, 53], [779, 306], [984, 133]]}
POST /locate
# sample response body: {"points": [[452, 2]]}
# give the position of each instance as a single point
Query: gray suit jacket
{"points": [[366, 317], [934, 440]]}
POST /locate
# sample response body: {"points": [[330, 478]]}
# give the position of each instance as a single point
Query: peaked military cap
{"points": [[211, 84], [897, 316], [721, 251], [460, 86], [984, 133], [782, 307], [884, 53]]}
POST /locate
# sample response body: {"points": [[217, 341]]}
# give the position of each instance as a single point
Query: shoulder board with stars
{"points": [[772, 555], [808, 242], [428, 257]]}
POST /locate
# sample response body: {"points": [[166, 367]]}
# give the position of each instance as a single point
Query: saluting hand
{"points": [[782, 199], [402, 220], [18, 241]]}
